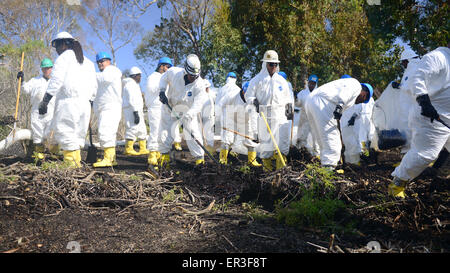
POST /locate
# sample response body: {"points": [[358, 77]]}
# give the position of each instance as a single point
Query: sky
{"points": [[125, 58]]}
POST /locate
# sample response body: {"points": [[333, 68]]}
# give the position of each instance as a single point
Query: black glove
{"points": [[351, 121], [338, 112], [396, 85], [163, 98], [92, 103], [427, 109], [289, 112], [256, 104], [44, 103], [20, 75], [136, 117]]}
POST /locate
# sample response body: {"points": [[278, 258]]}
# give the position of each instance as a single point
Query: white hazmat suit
{"points": [[273, 94], [432, 78], [40, 124], [133, 102], [183, 98], [108, 105], [320, 106], [154, 105], [304, 134], [74, 85]]}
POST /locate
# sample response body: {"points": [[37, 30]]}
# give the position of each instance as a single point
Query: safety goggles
{"points": [[273, 64]]}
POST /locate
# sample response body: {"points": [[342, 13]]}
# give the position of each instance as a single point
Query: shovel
{"points": [[343, 146], [18, 95], [92, 150]]}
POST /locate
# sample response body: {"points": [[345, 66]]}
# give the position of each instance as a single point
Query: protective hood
{"points": [[230, 80]]}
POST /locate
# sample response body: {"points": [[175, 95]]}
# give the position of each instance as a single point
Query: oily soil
{"points": [[212, 209]]}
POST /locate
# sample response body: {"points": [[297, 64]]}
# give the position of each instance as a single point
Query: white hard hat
{"points": [[63, 35], [135, 70], [192, 65], [408, 54], [270, 56]]}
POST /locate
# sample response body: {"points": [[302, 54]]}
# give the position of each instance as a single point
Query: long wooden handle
{"points": [[273, 138], [238, 133], [18, 89]]}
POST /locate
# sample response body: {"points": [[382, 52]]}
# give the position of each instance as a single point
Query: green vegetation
{"points": [[318, 206]]}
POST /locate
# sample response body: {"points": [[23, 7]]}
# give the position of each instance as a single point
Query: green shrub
{"points": [[317, 206]]}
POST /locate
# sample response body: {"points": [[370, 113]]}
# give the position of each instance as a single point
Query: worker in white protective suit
{"points": [[183, 90], [270, 94], [324, 108], [430, 87], [154, 105], [237, 129], [73, 84], [107, 107], [304, 134], [409, 61], [40, 124], [357, 131], [229, 86], [133, 112], [291, 122], [207, 119]]}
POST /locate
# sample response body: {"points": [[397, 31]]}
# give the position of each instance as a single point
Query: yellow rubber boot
{"points": [[109, 158], [267, 164], [223, 156], [199, 161], [397, 188], [177, 146], [143, 147], [279, 163], [365, 149], [72, 158], [129, 150], [38, 152], [252, 159], [153, 158], [164, 160]]}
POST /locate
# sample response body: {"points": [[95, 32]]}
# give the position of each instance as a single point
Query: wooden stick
{"points": [[18, 95]]}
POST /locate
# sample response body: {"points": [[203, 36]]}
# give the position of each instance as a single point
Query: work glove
{"points": [[163, 98], [395, 85], [136, 117], [289, 112], [351, 121], [256, 104], [20, 75], [338, 112], [44, 103], [427, 109]]}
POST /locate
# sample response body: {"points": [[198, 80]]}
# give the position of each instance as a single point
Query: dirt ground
{"points": [[209, 209]]}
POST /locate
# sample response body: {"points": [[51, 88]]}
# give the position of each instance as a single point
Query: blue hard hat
{"points": [[165, 60], [102, 55], [282, 74], [369, 87], [245, 86], [345, 76], [231, 74], [313, 78]]}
